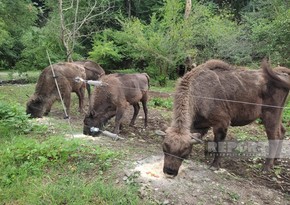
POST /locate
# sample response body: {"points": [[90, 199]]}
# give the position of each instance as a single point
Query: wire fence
{"points": [[130, 88], [73, 129]]}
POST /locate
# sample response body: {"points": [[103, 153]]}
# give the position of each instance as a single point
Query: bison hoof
{"points": [[267, 168], [66, 117], [212, 168], [215, 166]]}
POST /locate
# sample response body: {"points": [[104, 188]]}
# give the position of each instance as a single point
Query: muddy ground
{"points": [[240, 181]]}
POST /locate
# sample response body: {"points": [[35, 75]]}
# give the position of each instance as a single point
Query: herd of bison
{"points": [[213, 95]]}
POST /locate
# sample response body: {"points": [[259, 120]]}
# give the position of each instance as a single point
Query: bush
{"points": [[169, 39], [13, 119], [160, 102]]}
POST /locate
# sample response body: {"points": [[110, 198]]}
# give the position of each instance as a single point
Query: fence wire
{"points": [[172, 94]]}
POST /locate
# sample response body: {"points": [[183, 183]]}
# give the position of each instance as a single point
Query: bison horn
{"points": [[195, 138]]}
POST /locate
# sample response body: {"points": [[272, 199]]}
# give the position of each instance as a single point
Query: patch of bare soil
{"points": [[240, 181], [196, 184]]}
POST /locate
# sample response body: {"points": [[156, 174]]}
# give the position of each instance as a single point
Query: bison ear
{"points": [[37, 100], [92, 113], [195, 138]]}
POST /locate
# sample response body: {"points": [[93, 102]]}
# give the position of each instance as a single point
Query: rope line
{"points": [[172, 155], [64, 108], [217, 99]]}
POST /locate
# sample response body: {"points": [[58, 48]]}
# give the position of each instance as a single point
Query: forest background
{"points": [[160, 37]]}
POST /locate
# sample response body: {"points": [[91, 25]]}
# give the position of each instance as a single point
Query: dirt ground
{"points": [[240, 181]]}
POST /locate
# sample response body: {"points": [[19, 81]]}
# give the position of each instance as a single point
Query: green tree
{"points": [[170, 38], [162, 44], [66, 27], [215, 35], [16, 17], [268, 26]]}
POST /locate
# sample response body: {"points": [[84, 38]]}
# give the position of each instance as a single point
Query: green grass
{"points": [[161, 102], [169, 88], [38, 165], [16, 93], [30, 76], [58, 171]]}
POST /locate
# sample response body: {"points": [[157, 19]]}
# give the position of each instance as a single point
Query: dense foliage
{"points": [[145, 35]]}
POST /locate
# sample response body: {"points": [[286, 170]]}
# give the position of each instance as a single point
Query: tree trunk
{"points": [[187, 9], [63, 33], [129, 7]]}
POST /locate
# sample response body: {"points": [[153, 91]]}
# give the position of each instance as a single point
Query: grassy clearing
{"points": [[29, 76], [58, 171], [169, 88], [39, 165]]}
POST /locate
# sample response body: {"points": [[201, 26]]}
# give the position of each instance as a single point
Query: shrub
{"points": [[13, 119], [160, 102]]}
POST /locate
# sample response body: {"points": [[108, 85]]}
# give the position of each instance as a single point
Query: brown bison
{"points": [[211, 95], [46, 92], [117, 93], [93, 71]]}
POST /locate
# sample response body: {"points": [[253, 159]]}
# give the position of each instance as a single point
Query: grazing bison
{"points": [[46, 92], [93, 71], [113, 97], [211, 95]]}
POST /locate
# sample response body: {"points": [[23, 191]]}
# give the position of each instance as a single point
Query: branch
{"points": [[88, 17], [74, 27], [71, 6]]}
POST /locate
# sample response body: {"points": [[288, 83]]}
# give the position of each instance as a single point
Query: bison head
{"points": [[35, 107], [98, 119], [176, 147]]}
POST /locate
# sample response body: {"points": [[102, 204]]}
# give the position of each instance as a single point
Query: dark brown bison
{"points": [[46, 92], [93, 71], [112, 99], [209, 96]]}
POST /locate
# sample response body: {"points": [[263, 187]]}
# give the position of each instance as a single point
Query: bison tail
{"points": [[273, 77], [148, 79]]}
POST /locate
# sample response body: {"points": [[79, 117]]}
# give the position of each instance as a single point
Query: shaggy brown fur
{"points": [[46, 91], [93, 71], [112, 99], [209, 96]]}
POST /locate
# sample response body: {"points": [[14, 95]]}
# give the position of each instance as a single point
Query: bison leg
{"points": [[47, 111], [145, 109], [48, 106], [66, 100], [81, 95], [201, 131], [220, 134], [119, 115], [88, 87], [136, 111], [281, 137], [275, 133], [275, 147]]}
